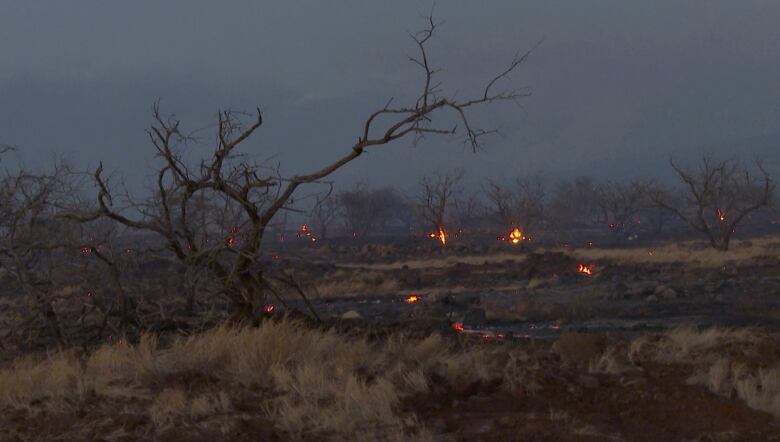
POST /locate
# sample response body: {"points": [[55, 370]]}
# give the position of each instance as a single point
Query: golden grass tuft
{"points": [[682, 253], [716, 353], [310, 383]]}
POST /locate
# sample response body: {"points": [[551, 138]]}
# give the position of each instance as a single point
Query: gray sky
{"points": [[617, 85]]}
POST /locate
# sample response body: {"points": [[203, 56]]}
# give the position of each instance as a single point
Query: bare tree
{"points": [[619, 203], [324, 213], [530, 200], [573, 203], [467, 209], [34, 244], [718, 195], [520, 204], [436, 198], [256, 194], [362, 210], [501, 203], [656, 218]]}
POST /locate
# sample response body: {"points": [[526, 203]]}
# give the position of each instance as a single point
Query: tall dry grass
{"points": [[724, 359], [309, 383], [683, 252]]}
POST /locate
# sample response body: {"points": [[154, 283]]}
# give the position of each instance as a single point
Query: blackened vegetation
{"points": [[205, 219]]}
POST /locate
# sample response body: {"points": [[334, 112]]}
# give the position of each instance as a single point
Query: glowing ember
{"points": [[411, 299], [515, 236], [269, 309], [458, 327], [590, 243], [441, 235], [231, 241], [304, 232], [721, 216], [585, 270], [86, 250]]}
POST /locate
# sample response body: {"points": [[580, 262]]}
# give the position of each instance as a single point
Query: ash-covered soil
{"points": [[672, 342]]}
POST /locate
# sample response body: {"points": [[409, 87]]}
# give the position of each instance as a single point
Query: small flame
{"points": [[411, 299], [721, 216], [305, 231], [231, 241], [585, 270], [86, 250], [269, 309], [516, 235], [458, 327], [441, 235]]}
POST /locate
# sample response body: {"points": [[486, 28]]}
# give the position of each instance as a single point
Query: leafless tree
{"points": [[656, 218], [437, 197], [468, 209], [34, 243], [520, 204], [362, 209], [324, 213], [256, 194], [619, 203], [718, 195], [530, 200], [573, 203]]}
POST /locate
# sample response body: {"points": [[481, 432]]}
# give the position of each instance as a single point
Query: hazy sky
{"points": [[617, 85]]}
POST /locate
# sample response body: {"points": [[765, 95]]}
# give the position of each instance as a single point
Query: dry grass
{"points": [[683, 252], [721, 357], [440, 263], [309, 383], [353, 282]]}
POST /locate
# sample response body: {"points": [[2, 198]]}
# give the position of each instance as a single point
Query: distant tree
{"points": [[437, 198], [323, 214], [573, 203], [467, 209], [717, 195], [654, 218], [361, 210], [619, 203], [519, 204]]}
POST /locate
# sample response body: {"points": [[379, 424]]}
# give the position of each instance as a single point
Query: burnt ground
{"points": [[525, 298]]}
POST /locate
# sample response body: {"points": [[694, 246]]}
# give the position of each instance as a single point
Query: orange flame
{"points": [[458, 327], [411, 299], [516, 235], [585, 270], [268, 309], [721, 216], [441, 235]]}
